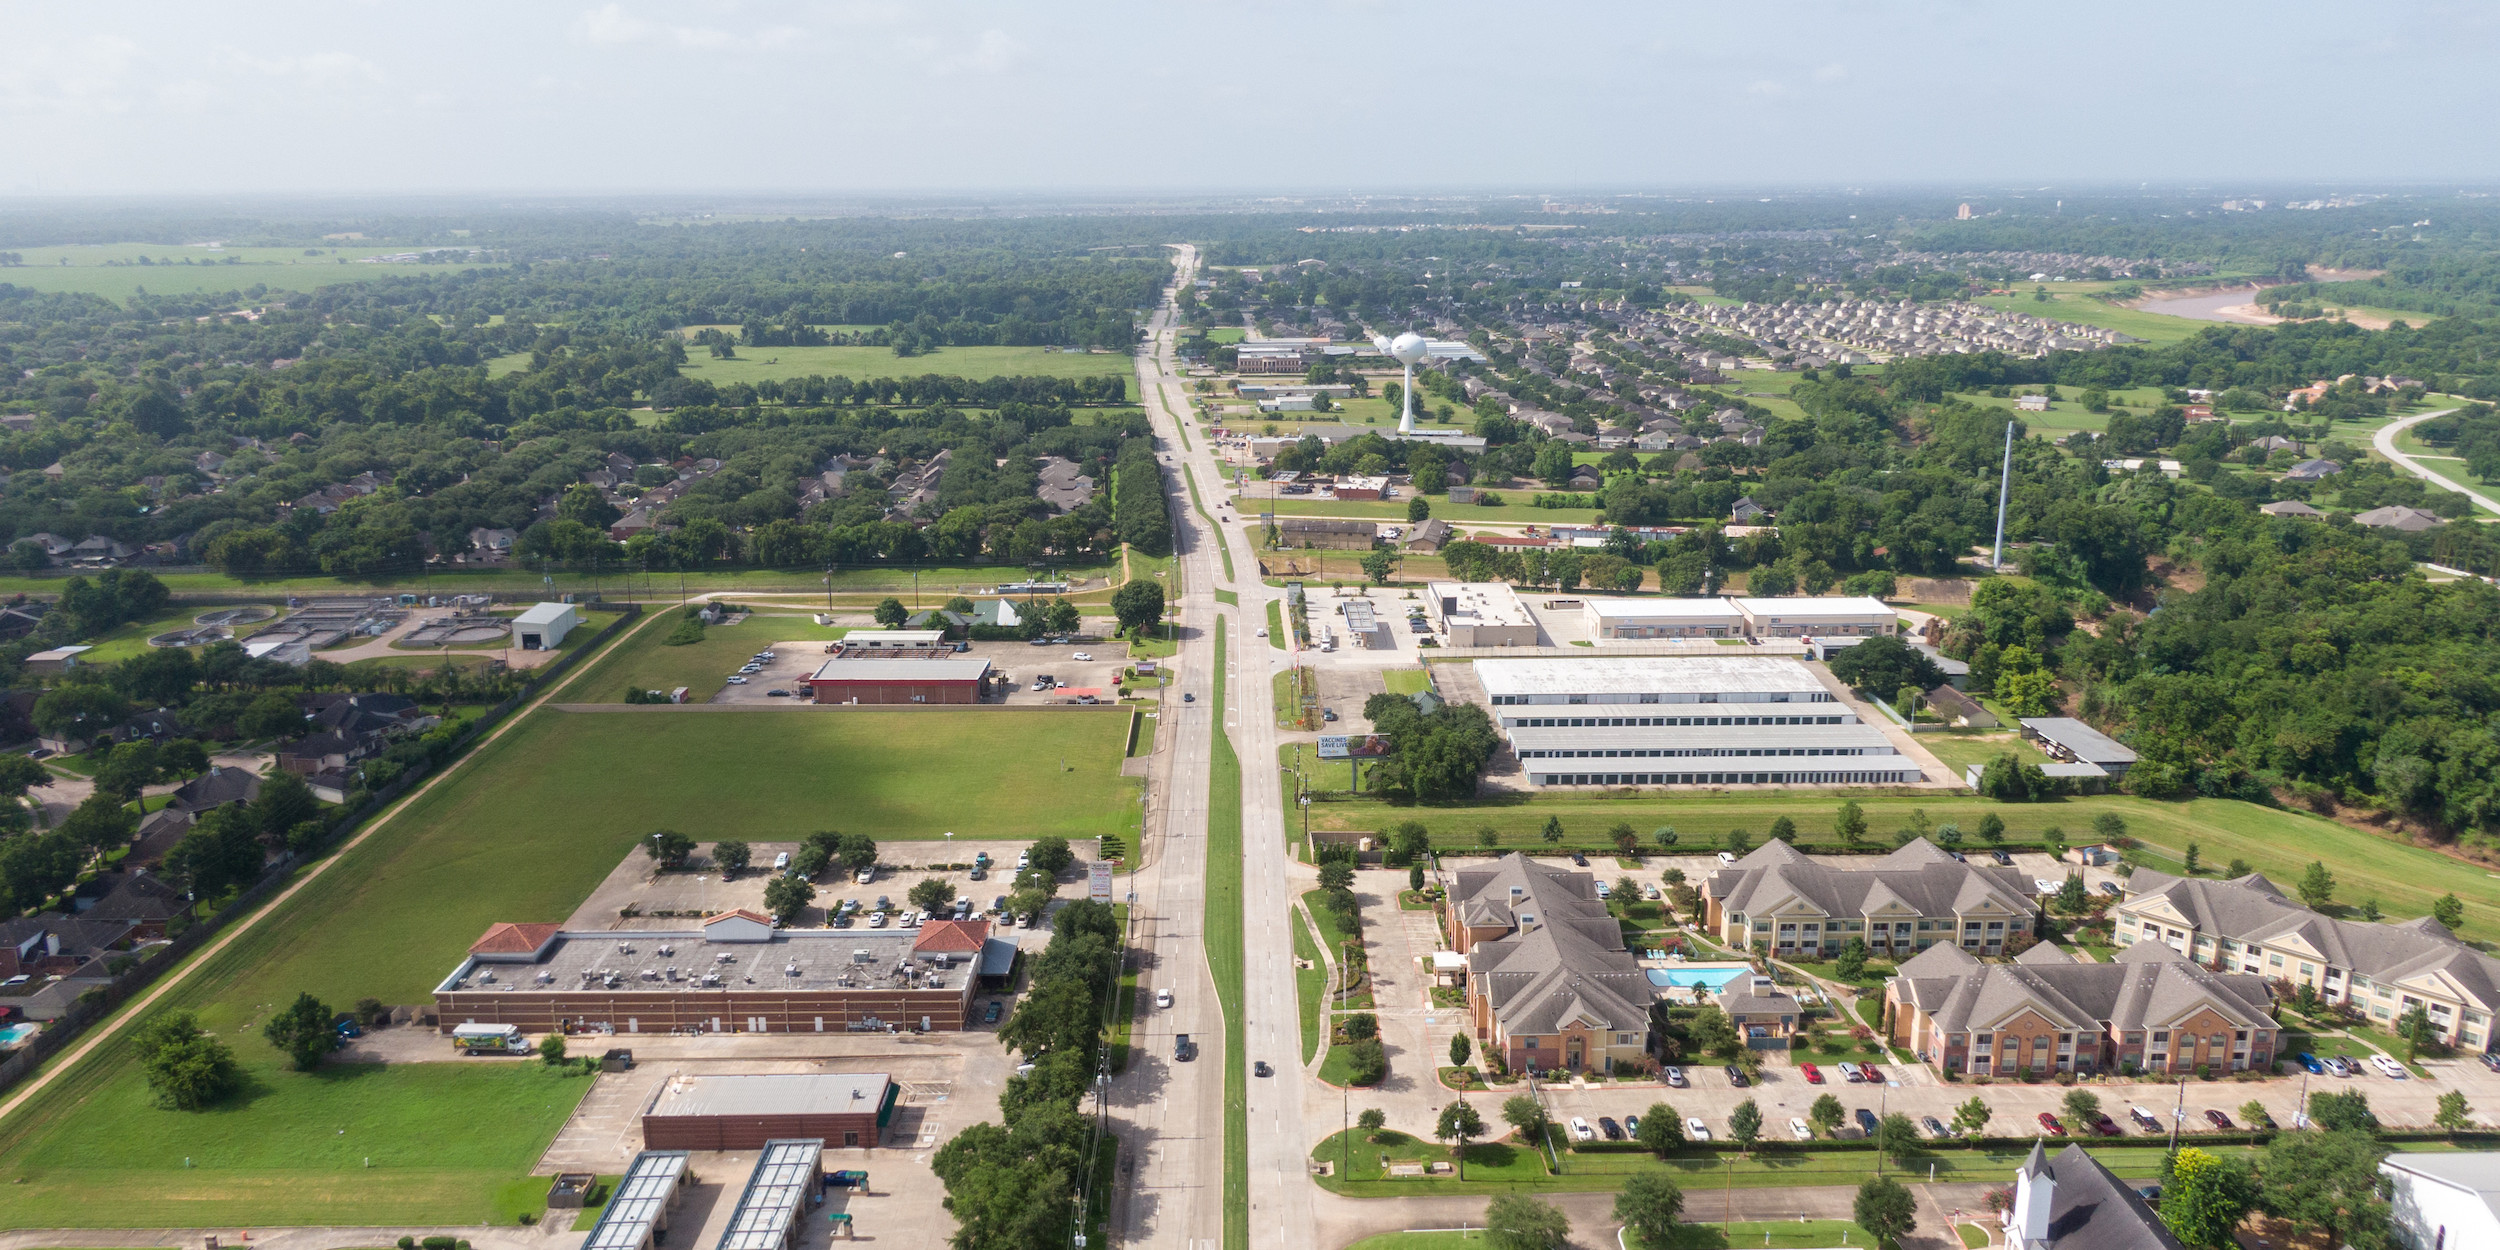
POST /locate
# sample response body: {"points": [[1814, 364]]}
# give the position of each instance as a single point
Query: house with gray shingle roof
{"points": [[2151, 1010], [1549, 983], [2247, 925], [1780, 900]]}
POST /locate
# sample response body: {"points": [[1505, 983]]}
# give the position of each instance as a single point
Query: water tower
{"points": [[1408, 349]]}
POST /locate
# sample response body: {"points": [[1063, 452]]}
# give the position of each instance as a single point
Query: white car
{"points": [[2044, 885], [1695, 1130], [1604, 890], [1163, 998], [1580, 1129], [1674, 1075], [865, 875], [1024, 860], [737, 679], [1802, 1130], [1262, 631], [1082, 655], [2389, 1067], [1726, 858]]}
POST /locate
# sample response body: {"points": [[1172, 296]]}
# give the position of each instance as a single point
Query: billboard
{"points": [[1353, 746], [1098, 881]]}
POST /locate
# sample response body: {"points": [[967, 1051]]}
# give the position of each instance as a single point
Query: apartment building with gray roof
{"points": [[1782, 901], [2151, 1010]]}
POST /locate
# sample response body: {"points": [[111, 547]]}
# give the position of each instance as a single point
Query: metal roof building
{"points": [[2068, 740], [768, 1212], [639, 1208]]}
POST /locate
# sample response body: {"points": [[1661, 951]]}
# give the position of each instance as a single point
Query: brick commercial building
{"points": [[2150, 1011], [952, 680], [734, 973], [741, 1112]]}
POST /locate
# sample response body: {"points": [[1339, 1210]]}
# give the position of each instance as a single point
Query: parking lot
{"points": [[1020, 663], [672, 900]]}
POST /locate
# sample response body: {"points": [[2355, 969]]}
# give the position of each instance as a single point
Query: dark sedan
{"points": [[1736, 1077], [1613, 1131]]}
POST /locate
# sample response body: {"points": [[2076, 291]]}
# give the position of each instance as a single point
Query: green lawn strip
{"points": [[2079, 306], [1276, 624], [1959, 749], [1222, 548], [588, 1217], [1407, 681], [1226, 596], [1511, 1167], [1310, 985], [641, 662], [1124, 1014], [1514, 511], [1224, 938], [1443, 1239], [2405, 879], [940, 580], [1145, 744]]}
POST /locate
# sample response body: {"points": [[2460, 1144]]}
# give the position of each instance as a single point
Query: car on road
{"points": [[2316, 1066], [1933, 1126], [1852, 1073], [2218, 1120], [990, 1014], [2001, 857], [1260, 1068], [1674, 1075], [1799, 1129], [2107, 1127], [1813, 1075], [1613, 1131], [1695, 1130], [2050, 1126], [1736, 1077], [737, 679], [1187, 697], [1183, 1050], [1631, 1126], [1581, 1130], [1163, 998], [1866, 1121], [1328, 713], [2144, 1119], [2393, 1070], [1262, 631], [1086, 657]]}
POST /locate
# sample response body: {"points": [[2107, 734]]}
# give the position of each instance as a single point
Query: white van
{"points": [[488, 1039]]}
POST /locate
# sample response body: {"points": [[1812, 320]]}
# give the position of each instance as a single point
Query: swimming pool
{"points": [[16, 1033], [1713, 977]]}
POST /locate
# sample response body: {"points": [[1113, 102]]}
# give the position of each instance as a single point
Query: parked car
{"points": [[2044, 885], [1695, 1130], [2050, 1126], [777, 694], [1083, 657], [2144, 1119], [2001, 857], [1726, 858], [2110, 888], [1813, 1075], [1579, 859], [1852, 1073], [1674, 1075], [1736, 1077], [1604, 890], [2316, 1066], [2491, 1060], [2337, 1066], [2151, 1194], [1328, 713], [1613, 1131], [781, 862], [1799, 1129], [1581, 1130], [1933, 1126], [1866, 1121], [990, 1014], [2393, 1070], [1650, 893], [1631, 1126], [1958, 857], [2218, 1120], [2107, 1127], [737, 679]]}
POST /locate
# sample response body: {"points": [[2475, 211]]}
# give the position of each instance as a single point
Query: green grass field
{"points": [[1310, 986], [2066, 414], [2405, 879], [1407, 681], [755, 364], [2072, 301], [278, 268], [1223, 940], [131, 641], [1959, 749], [640, 662], [935, 583]]}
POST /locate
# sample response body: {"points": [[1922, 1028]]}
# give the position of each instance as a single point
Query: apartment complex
{"points": [[2246, 925], [2152, 1011], [1549, 983], [1684, 720], [1779, 900]]}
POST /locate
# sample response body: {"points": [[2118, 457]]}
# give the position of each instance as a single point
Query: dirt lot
{"points": [[703, 890]]}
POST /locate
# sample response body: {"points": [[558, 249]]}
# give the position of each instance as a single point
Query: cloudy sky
{"points": [[544, 96]]}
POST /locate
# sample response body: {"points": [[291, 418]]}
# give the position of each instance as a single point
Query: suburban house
{"points": [[320, 753], [215, 788], [1549, 983], [2290, 508], [144, 902], [1779, 900], [2312, 471], [2392, 517], [2074, 1202], [2151, 1010], [2247, 925]]}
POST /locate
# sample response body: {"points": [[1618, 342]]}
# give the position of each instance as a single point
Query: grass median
{"points": [[1224, 938]]}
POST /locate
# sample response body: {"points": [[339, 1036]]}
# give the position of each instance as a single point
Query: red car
{"points": [[1814, 1075], [2107, 1127], [2218, 1120], [2049, 1125]]}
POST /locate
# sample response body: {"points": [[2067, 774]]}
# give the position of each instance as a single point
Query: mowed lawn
{"points": [[2405, 879], [640, 662], [755, 364]]}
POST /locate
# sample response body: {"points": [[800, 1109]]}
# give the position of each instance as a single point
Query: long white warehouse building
{"points": [[1684, 721]]}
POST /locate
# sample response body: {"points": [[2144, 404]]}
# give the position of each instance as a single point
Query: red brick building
{"points": [[742, 1112], [955, 679]]}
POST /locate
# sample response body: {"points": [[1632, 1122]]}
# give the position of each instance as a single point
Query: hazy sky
{"points": [[716, 95]]}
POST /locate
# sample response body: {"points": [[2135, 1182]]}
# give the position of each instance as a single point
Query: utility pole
{"points": [[2178, 1114], [2005, 485]]}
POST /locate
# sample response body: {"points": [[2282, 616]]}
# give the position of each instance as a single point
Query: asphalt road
{"points": [[2385, 441]]}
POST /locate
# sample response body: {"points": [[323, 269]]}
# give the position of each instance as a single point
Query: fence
{"points": [[100, 1003]]}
